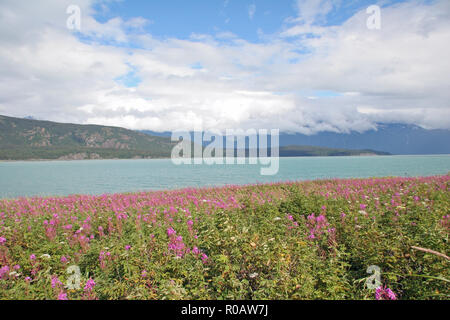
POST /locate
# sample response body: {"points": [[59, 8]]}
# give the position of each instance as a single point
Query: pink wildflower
{"points": [[171, 231], [56, 282], [90, 284], [383, 293], [4, 270], [62, 296]]}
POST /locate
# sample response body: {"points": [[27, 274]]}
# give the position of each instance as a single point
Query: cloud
{"points": [[219, 81], [314, 11], [251, 11]]}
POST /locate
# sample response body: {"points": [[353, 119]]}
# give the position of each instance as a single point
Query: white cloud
{"points": [[251, 11], [313, 11], [396, 74]]}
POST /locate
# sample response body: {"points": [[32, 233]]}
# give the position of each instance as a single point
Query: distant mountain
{"points": [[22, 139], [392, 138], [158, 134], [296, 150], [313, 151]]}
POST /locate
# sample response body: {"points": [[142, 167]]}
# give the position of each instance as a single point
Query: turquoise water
{"points": [[48, 178]]}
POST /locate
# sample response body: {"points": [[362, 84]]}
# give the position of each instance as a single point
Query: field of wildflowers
{"points": [[293, 240]]}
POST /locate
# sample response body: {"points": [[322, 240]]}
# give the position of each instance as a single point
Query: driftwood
{"points": [[431, 251]]}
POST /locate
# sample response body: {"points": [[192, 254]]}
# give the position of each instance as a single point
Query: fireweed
{"points": [[293, 240], [383, 293], [89, 290]]}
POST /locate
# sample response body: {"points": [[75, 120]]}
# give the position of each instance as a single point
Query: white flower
{"points": [[46, 256], [253, 275]]}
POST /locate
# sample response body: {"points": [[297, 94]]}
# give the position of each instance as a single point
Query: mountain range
{"points": [[25, 139], [401, 139]]}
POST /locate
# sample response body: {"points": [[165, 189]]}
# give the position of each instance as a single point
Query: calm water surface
{"points": [[48, 178]]}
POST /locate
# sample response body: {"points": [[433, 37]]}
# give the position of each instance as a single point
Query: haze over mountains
{"points": [[392, 138], [24, 139], [398, 139]]}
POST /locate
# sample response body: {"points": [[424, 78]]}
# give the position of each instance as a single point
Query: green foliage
{"points": [[256, 239], [313, 151], [23, 139]]}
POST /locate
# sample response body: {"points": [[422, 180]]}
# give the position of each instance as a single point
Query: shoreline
{"points": [[168, 158], [219, 187]]}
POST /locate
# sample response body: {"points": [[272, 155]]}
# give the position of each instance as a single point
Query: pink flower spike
{"points": [[171, 231], [62, 296], [383, 293], [90, 284]]}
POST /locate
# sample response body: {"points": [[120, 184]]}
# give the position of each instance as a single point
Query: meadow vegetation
{"points": [[293, 240]]}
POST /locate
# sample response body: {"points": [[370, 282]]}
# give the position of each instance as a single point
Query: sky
{"points": [[296, 65]]}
